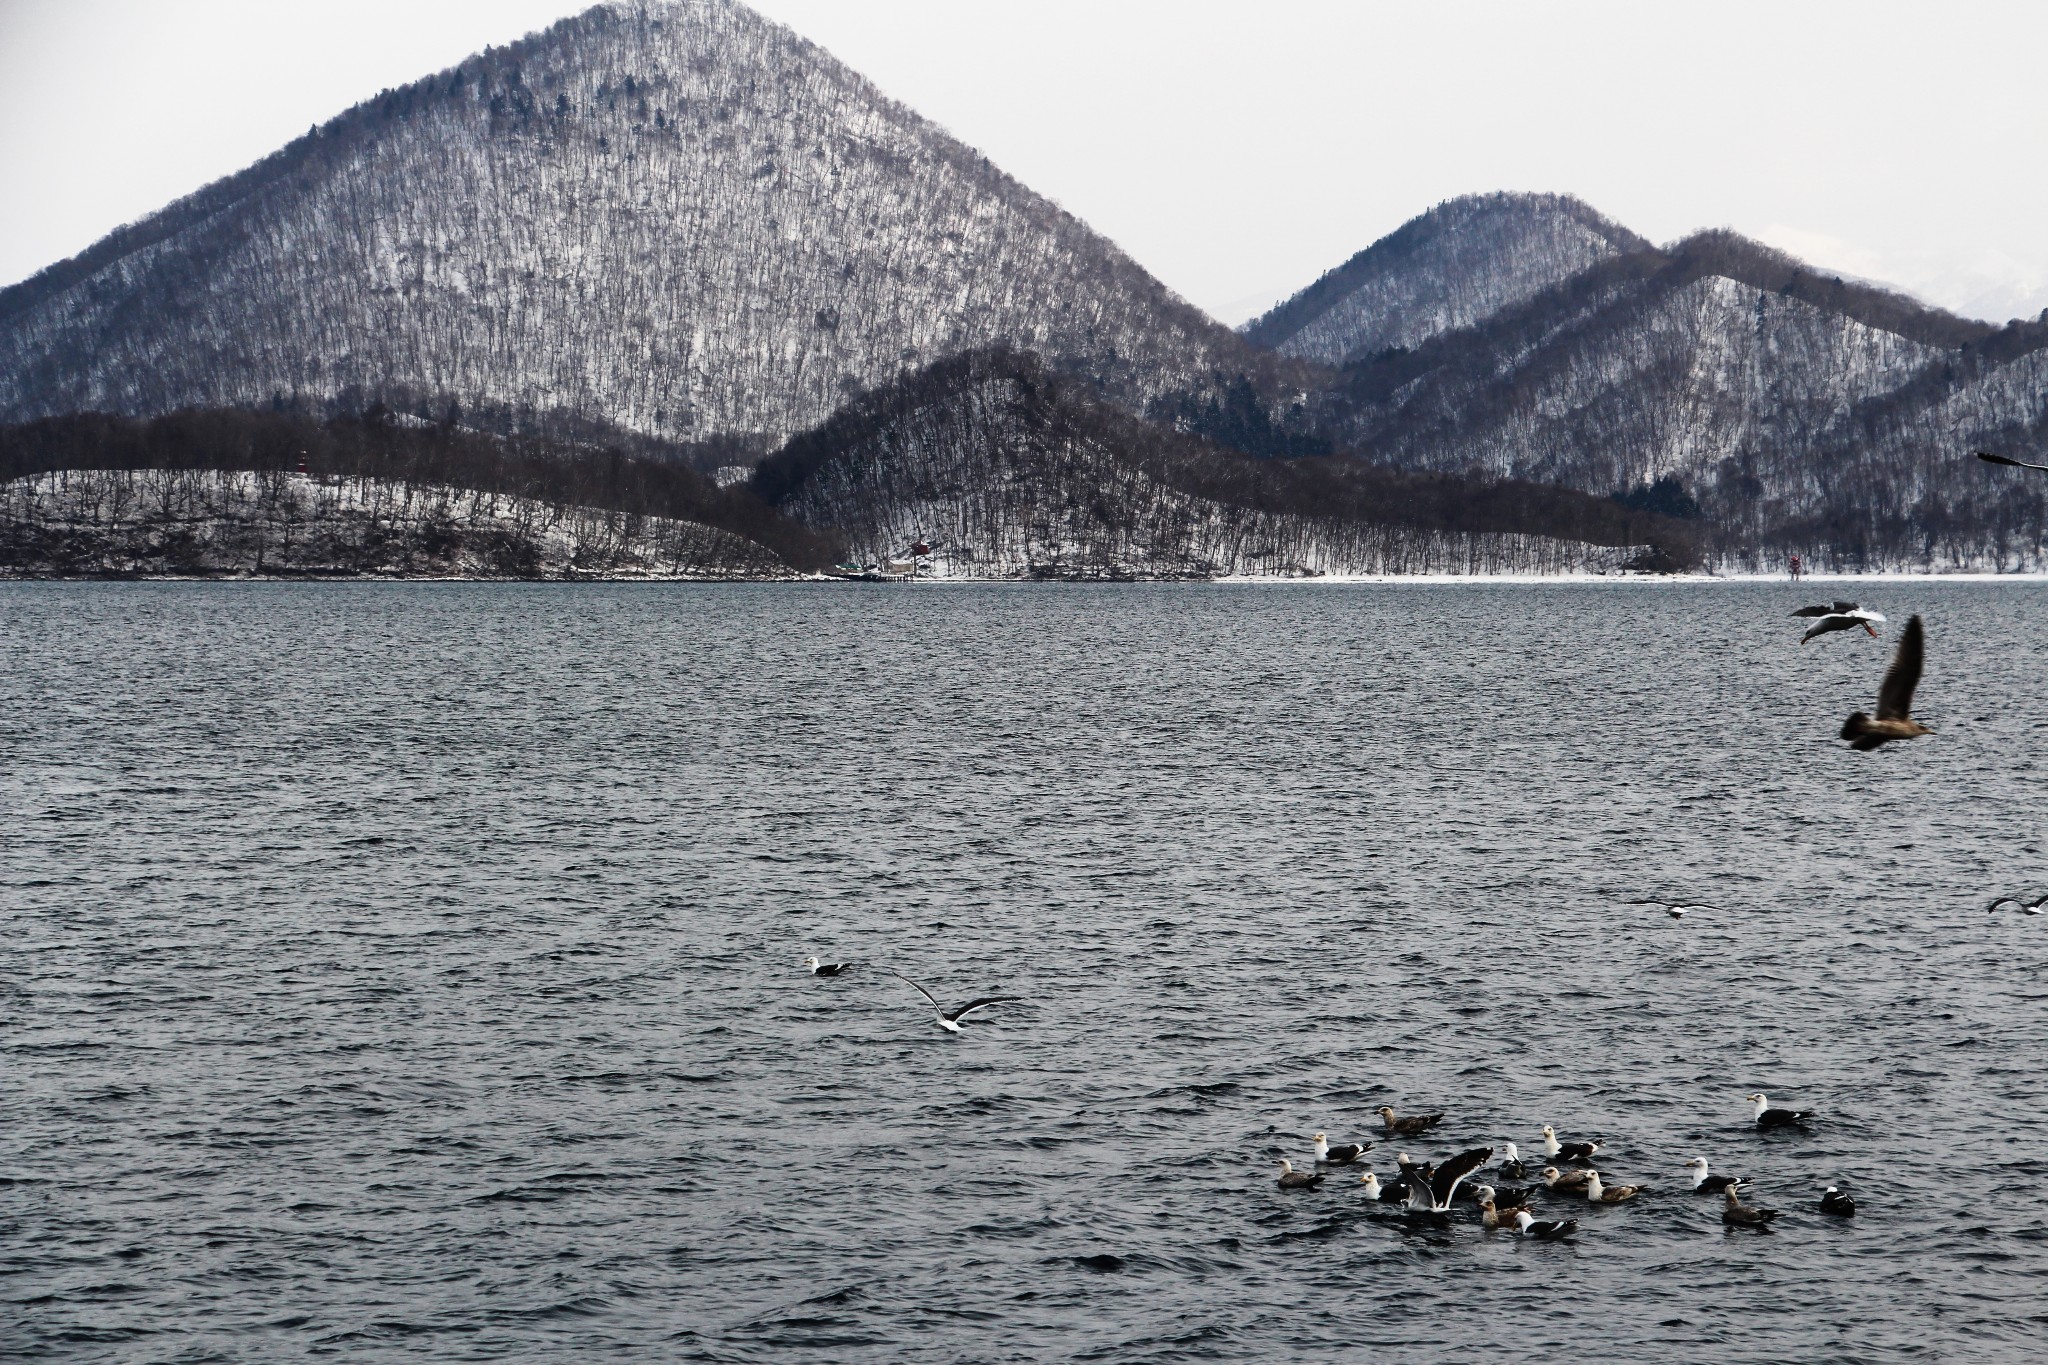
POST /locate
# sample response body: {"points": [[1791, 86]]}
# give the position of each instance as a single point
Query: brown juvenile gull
{"points": [[1408, 1127], [1291, 1179], [1566, 1182], [1894, 698], [1738, 1214]]}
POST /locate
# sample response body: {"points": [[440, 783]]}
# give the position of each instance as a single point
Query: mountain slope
{"points": [[1461, 262], [1770, 395], [1006, 470], [678, 219]]}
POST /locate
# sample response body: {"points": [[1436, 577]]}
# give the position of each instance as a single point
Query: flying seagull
{"points": [[1767, 1117], [1433, 1193], [1894, 698], [1834, 1201], [1567, 1151], [1840, 616], [2031, 907], [1291, 1179], [950, 1021], [1343, 1154], [1408, 1127], [1548, 1230], [1704, 1182], [1737, 1214], [1989, 458], [825, 968]]}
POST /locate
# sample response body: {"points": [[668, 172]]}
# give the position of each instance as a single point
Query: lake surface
{"points": [[410, 971]]}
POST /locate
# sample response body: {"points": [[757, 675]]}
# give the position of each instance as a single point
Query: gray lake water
{"points": [[410, 972]]}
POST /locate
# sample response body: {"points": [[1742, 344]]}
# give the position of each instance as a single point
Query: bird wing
{"points": [[919, 989], [1813, 611], [2005, 900], [1452, 1173], [1989, 458], [1844, 608], [1895, 695], [973, 1005]]}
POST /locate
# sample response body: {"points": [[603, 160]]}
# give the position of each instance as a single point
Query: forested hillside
{"points": [[1789, 410], [675, 218], [1455, 265], [1007, 470]]}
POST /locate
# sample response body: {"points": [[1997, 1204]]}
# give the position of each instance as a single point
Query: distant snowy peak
{"points": [[678, 218], [1461, 262]]}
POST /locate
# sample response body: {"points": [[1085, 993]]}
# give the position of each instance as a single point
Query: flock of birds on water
{"points": [[1434, 1189]]}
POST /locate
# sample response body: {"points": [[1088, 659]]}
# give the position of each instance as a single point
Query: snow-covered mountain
{"points": [[673, 217], [1797, 411], [1007, 471], [1463, 261]]}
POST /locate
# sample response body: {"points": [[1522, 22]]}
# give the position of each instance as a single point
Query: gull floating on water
{"points": [[1703, 1182], [1767, 1117], [1511, 1164], [1840, 616], [2030, 907], [1989, 458], [1735, 1213], [1894, 697], [1834, 1201], [1396, 1193], [1409, 1127], [1566, 1182], [825, 968], [1567, 1151], [950, 1020], [1291, 1179], [1596, 1193], [1492, 1216], [1341, 1155], [1549, 1230], [1433, 1193]]}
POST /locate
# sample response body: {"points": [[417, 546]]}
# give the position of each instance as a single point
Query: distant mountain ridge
{"points": [[1796, 410], [676, 217], [1463, 261]]}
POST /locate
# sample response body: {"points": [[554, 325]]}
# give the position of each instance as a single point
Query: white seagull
{"points": [[950, 1020], [1767, 1117], [825, 968], [1545, 1231], [2030, 907], [1341, 1155], [1704, 1181]]}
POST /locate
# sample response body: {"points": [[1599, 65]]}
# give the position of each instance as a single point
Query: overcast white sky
{"points": [[1237, 148]]}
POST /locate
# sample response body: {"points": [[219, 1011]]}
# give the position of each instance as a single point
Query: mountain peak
{"points": [[1460, 262], [679, 217]]}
